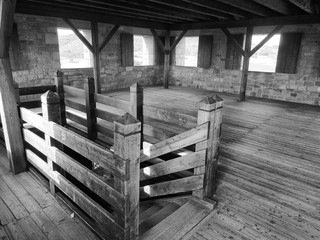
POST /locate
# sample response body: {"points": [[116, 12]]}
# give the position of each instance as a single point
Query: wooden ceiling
{"points": [[178, 14]]}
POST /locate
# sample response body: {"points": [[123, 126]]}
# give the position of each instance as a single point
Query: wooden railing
{"points": [[112, 202], [187, 170]]}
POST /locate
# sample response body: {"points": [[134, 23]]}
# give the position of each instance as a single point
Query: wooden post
{"points": [[96, 56], [210, 110], [51, 112], [59, 89], [127, 146], [245, 66], [90, 108], [8, 110], [136, 102], [166, 60]]}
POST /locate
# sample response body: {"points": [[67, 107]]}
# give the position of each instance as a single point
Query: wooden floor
{"points": [[269, 170], [29, 211]]}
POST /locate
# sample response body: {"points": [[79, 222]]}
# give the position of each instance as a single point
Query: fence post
{"points": [[127, 146], [136, 105], [210, 110], [59, 89], [51, 112], [90, 108]]}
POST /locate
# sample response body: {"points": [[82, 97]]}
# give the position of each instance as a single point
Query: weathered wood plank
{"points": [[182, 140], [176, 165], [112, 102], [6, 215], [172, 187], [72, 103], [73, 92]]}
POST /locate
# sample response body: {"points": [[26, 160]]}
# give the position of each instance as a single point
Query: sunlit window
{"points": [[143, 49], [73, 53], [187, 52], [265, 59]]}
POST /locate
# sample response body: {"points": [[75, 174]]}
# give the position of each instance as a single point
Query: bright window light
{"points": [[187, 52], [143, 47]]}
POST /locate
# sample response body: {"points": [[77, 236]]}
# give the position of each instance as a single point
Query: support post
{"points": [[136, 102], [210, 110], [127, 146], [245, 66], [51, 112], [59, 89], [8, 103], [96, 56], [166, 60], [90, 108]]}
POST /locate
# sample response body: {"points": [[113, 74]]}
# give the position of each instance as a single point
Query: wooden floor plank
{"points": [[14, 231], [6, 215], [30, 229], [3, 234]]}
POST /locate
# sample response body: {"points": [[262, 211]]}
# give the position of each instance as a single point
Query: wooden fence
{"points": [[113, 202]]}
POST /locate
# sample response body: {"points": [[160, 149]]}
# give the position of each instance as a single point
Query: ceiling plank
{"points": [[190, 7], [108, 38], [279, 6], [272, 21], [305, 5], [54, 11], [79, 35], [250, 6], [219, 6], [266, 39]]}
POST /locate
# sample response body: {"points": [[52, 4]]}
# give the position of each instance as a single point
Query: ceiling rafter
{"points": [[279, 6]]}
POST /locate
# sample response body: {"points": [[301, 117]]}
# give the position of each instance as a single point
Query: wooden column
{"points": [[51, 112], [166, 63], [59, 89], [210, 110], [90, 108], [136, 102], [127, 146], [8, 104], [96, 56], [245, 66]]}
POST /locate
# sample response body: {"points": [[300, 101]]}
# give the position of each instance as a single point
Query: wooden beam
{"points": [[109, 36], [279, 6], [96, 56], [266, 39], [245, 66], [166, 60], [79, 35], [8, 102], [305, 5], [178, 40], [86, 15], [229, 35], [271, 21], [158, 40]]}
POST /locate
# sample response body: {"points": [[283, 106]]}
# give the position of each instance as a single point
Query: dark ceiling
{"points": [[178, 14]]}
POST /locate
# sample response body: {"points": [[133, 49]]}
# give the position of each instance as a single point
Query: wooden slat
{"points": [[73, 92], [113, 102], [108, 116], [175, 165], [171, 187], [72, 103], [88, 178], [76, 142], [78, 118], [182, 140], [36, 90]]}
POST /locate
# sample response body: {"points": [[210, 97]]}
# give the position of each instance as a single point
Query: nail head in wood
{"points": [[127, 124], [211, 103]]}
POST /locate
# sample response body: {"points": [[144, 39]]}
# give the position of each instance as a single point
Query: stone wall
{"points": [[302, 87], [40, 50]]}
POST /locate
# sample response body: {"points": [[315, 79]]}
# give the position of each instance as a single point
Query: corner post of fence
{"points": [[51, 112], [127, 136], [136, 104], [90, 108], [210, 110], [59, 89]]}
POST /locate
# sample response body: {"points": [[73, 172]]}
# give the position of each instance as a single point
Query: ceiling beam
{"points": [[272, 21], [306, 5], [250, 6], [108, 38], [178, 40], [235, 42], [221, 7], [54, 11], [279, 6], [158, 40], [190, 7]]}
